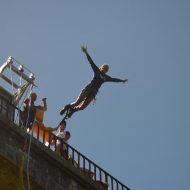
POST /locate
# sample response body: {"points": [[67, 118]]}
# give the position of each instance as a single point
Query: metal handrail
{"points": [[79, 161], [91, 165]]}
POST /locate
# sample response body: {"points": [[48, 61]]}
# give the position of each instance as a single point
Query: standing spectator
{"points": [[29, 110]]}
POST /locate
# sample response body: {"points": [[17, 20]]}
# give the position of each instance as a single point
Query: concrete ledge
{"points": [[47, 168]]}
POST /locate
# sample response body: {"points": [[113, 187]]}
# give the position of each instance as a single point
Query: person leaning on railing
{"points": [[61, 148]]}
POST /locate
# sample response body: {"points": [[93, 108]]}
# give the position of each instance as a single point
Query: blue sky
{"points": [[138, 132]]}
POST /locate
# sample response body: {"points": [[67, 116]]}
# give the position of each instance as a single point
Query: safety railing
{"points": [[78, 160], [87, 166]]}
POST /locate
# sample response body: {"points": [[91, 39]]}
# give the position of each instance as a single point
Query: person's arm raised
{"points": [[93, 65]]}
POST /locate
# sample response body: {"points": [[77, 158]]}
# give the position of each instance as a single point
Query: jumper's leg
{"points": [[82, 96], [65, 109], [85, 103], [78, 101], [81, 106]]}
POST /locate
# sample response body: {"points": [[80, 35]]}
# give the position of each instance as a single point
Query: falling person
{"points": [[88, 94]]}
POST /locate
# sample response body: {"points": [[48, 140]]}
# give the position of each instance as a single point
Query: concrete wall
{"points": [[47, 169]]}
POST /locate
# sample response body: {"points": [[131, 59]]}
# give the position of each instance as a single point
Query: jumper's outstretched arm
{"points": [[110, 79], [93, 65]]}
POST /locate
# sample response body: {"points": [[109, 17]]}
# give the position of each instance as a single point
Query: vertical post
{"points": [[100, 172], [67, 154], [89, 171], [112, 183], [117, 185], [73, 157], [38, 132], [44, 133], [49, 140], [95, 172], [55, 143], [84, 163], [106, 178], [78, 161], [13, 115]]}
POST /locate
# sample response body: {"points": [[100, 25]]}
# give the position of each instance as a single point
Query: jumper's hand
{"points": [[84, 49], [125, 81], [44, 99]]}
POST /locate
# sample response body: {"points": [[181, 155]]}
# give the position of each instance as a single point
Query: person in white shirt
{"points": [[61, 148]]}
